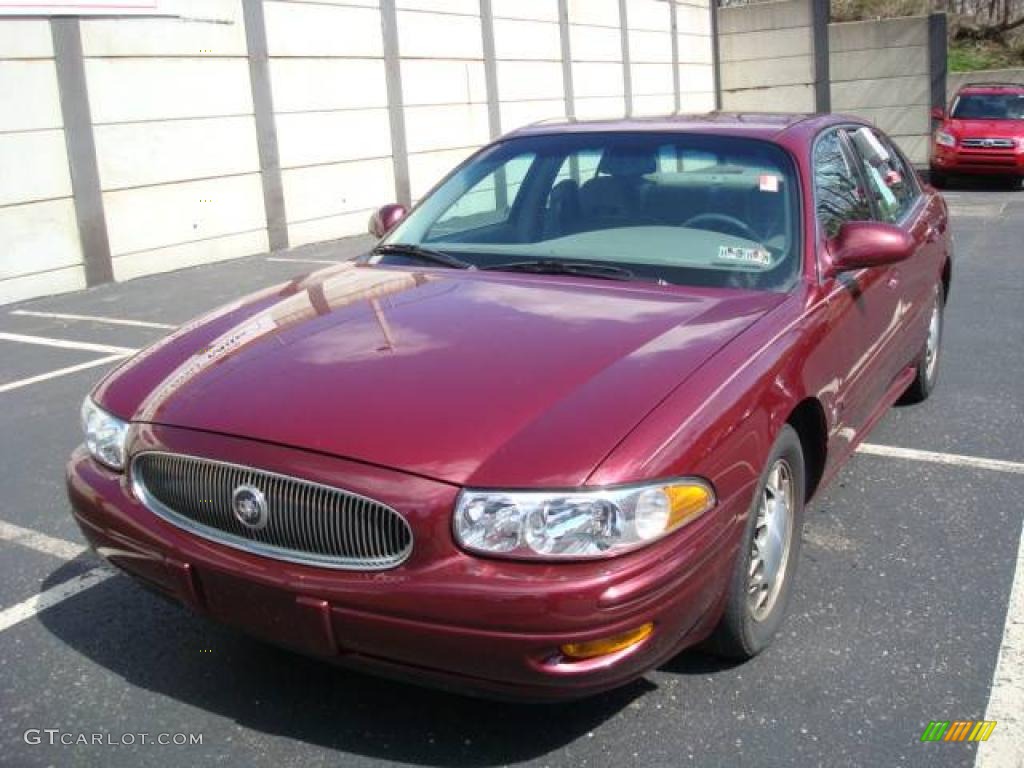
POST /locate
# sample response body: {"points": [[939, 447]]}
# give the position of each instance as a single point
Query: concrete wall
{"points": [[782, 56], [330, 102], [239, 125], [956, 80], [696, 56], [175, 137], [39, 247], [766, 55], [880, 71]]}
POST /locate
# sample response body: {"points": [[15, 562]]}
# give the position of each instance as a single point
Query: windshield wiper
{"points": [[555, 267], [424, 254]]}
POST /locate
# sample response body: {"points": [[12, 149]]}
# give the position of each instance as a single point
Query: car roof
{"points": [[762, 125], [991, 88]]}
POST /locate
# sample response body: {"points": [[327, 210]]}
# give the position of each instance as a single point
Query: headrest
{"points": [[627, 161]]}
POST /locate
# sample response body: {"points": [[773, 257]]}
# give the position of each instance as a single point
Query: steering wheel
{"points": [[733, 226]]}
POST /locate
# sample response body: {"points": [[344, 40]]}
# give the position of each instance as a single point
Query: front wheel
{"points": [[928, 364], [938, 179], [762, 578]]}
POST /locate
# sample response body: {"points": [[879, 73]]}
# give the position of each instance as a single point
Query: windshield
{"points": [[681, 208], [989, 106]]}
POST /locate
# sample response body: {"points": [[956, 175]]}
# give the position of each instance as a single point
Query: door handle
{"points": [[931, 234]]}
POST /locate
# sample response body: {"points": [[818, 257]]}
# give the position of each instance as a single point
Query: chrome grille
{"points": [[305, 522], [988, 143]]}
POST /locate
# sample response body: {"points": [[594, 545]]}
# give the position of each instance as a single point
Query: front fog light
{"points": [[105, 435], [585, 523], [606, 645]]}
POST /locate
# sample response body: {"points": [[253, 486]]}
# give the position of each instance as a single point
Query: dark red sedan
{"points": [[559, 425]]}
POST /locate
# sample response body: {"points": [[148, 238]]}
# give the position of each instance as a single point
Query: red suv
{"points": [[983, 133]]}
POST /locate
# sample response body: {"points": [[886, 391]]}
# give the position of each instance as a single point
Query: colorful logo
{"points": [[958, 730]]}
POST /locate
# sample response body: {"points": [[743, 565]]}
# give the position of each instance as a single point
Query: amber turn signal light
{"points": [[593, 648]]}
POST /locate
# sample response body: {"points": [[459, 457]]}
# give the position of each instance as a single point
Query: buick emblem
{"points": [[249, 506]]}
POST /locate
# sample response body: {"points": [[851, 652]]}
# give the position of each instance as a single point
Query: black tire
{"points": [[938, 179], [928, 374], [741, 633]]}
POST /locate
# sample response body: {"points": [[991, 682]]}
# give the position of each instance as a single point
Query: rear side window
{"points": [[890, 183], [837, 191]]}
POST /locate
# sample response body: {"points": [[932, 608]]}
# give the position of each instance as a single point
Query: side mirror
{"points": [[938, 113], [386, 218], [866, 244]]}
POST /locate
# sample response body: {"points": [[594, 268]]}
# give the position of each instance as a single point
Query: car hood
{"points": [[468, 377], [980, 129]]}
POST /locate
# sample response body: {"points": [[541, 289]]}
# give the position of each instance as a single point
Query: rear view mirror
{"points": [[386, 218], [866, 244], [938, 113]]}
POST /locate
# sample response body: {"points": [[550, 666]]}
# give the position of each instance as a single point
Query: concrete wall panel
{"points": [[142, 154], [149, 218], [878, 64], [767, 15], [538, 10], [29, 99], [957, 80], [132, 90], [317, 138], [34, 167], [308, 29], [189, 254], [515, 39], [38, 237], [874, 35], [595, 43], [301, 85], [328, 190], [25, 39], [170, 37]]}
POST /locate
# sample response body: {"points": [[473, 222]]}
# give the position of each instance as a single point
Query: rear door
{"points": [[897, 199]]}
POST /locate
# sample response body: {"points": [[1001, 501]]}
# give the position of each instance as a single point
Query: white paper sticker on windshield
{"points": [[755, 256], [768, 182]]}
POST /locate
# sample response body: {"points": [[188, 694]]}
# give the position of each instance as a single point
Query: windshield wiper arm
{"points": [[423, 254], [555, 267]]}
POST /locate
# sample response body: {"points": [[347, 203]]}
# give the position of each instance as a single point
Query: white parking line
{"points": [[60, 372], [93, 319], [1005, 748], [40, 542], [304, 261], [46, 341], [953, 459], [60, 548], [26, 609]]}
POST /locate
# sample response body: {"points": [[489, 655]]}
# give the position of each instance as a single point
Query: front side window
{"points": [[488, 203], [690, 209], [890, 183], [838, 195]]}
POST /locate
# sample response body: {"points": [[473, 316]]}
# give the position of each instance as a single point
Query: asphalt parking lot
{"points": [[897, 620]]}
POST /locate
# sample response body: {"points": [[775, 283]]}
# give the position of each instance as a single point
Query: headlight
{"points": [[576, 524], [105, 435], [945, 139]]}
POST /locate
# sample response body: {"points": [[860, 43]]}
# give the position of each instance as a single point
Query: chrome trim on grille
{"points": [[989, 143], [308, 523]]}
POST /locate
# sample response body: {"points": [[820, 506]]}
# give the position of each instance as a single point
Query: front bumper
{"points": [[977, 161], [443, 618]]}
